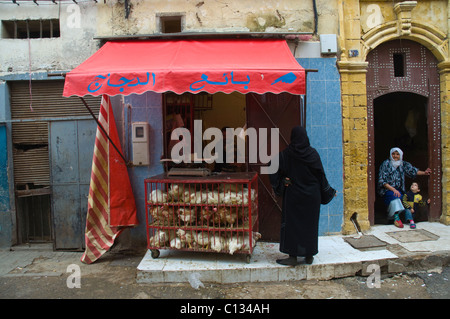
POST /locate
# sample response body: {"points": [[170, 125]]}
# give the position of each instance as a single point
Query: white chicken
{"points": [[213, 198], [202, 239], [178, 193], [159, 238], [229, 198], [241, 241], [237, 198], [176, 243], [218, 243], [187, 214], [242, 197], [255, 237], [157, 197], [185, 237], [235, 243], [198, 197]]}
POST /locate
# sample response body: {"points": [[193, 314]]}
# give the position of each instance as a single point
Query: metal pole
{"points": [[306, 94], [103, 129]]}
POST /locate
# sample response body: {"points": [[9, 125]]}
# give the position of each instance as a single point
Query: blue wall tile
{"points": [[333, 89], [317, 112], [316, 92], [334, 116], [324, 127]]}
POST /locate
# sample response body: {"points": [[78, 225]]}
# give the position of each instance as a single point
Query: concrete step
{"points": [[335, 259]]}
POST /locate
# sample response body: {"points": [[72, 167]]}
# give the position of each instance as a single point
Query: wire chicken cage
{"points": [[208, 214]]}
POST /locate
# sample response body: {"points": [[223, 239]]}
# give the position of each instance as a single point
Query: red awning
{"points": [[225, 65]]}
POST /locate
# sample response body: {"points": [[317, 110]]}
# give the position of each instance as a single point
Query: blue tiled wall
{"points": [[324, 127], [144, 108], [6, 226], [5, 213]]}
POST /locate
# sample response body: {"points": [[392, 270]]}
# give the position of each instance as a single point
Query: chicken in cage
{"points": [[210, 214]]}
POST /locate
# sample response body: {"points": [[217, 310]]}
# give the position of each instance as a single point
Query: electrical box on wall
{"points": [[140, 141], [328, 43]]}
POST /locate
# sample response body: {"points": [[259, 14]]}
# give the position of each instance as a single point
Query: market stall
{"points": [[198, 79]]}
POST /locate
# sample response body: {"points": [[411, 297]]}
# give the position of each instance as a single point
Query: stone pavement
{"points": [[391, 249]]}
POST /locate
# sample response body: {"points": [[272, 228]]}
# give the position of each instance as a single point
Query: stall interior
{"points": [[216, 211], [217, 110]]}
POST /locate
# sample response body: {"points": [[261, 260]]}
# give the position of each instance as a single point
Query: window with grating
{"points": [[33, 29]]}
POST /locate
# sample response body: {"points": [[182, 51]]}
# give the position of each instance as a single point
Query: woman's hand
{"points": [[396, 193], [392, 189], [426, 172]]}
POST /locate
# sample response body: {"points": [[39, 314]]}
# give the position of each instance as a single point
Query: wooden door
{"points": [[282, 111], [399, 67]]}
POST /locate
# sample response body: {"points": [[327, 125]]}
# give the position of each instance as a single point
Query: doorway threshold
{"points": [[33, 246]]}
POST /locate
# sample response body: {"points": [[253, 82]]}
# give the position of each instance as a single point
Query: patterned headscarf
{"points": [[396, 164]]}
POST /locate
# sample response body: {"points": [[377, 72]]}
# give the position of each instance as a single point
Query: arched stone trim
{"points": [[430, 37]]}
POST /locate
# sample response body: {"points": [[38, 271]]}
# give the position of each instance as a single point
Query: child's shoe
{"points": [[397, 222], [412, 225]]}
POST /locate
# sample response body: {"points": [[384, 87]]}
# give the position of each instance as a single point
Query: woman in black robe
{"points": [[302, 183]]}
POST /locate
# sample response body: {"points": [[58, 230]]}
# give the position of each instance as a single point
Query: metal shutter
{"points": [[30, 125]]}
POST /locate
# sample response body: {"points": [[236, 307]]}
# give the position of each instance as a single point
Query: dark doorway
{"points": [[403, 75], [400, 120]]}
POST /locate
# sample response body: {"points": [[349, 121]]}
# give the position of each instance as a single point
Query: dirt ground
{"points": [[116, 279]]}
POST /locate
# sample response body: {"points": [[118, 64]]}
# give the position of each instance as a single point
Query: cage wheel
{"points": [[155, 253]]}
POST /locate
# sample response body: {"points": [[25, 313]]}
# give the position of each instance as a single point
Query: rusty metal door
{"points": [[399, 67], [269, 111], [72, 145]]}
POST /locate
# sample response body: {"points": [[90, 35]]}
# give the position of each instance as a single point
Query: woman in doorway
{"points": [[302, 183], [391, 182]]}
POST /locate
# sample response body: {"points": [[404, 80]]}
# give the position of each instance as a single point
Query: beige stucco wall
{"points": [[81, 24], [218, 16], [433, 13], [76, 43]]}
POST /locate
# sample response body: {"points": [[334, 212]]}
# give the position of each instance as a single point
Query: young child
{"points": [[411, 200]]}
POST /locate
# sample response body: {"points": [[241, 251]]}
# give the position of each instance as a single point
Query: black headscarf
{"points": [[300, 149]]}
